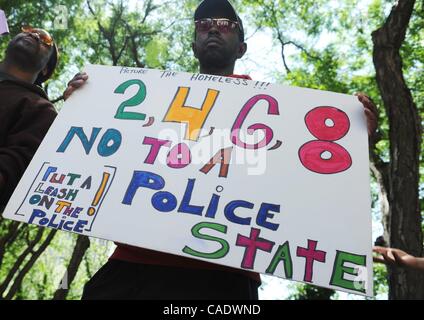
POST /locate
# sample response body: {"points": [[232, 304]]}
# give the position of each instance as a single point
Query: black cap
{"points": [[218, 9], [51, 66]]}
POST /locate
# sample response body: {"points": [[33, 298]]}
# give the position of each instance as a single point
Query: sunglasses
{"points": [[223, 25], [43, 35]]}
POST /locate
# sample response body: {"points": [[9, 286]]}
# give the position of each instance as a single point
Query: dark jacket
{"points": [[25, 116]]}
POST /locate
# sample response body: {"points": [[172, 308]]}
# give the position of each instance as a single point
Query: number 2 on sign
{"points": [[134, 101]]}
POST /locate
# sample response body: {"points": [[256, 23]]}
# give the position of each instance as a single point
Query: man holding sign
{"points": [[135, 273], [25, 110]]}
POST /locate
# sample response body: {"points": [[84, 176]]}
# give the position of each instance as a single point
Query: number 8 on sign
{"points": [[324, 156]]}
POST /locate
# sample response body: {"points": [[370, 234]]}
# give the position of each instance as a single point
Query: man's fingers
{"points": [[383, 257], [81, 75], [68, 92], [78, 77], [367, 102], [76, 83], [398, 258], [389, 259], [371, 117], [371, 122], [379, 259], [379, 249], [371, 113]]}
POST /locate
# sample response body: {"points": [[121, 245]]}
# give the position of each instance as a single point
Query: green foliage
{"points": [[309, 292], [381, 287], [326, 45], [323, 74], [156, 52]]}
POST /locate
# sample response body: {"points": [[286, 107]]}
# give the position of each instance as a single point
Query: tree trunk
{"points": [[404, 217], [81, 246]]}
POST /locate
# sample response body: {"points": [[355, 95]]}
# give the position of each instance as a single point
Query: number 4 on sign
{"points": [[194, 118]]}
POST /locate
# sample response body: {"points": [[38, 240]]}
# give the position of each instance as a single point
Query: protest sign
{"points": [[4, 28], [242, 173]]}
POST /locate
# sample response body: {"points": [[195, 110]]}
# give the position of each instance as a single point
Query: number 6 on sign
{"points": [[139, 97]]}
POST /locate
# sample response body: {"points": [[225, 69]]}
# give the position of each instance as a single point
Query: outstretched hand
{"points": [[77, 81], [371, 113], [398, 258]]}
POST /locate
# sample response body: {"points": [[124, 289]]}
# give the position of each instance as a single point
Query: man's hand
{"points": [[77, 81], [398, 258], [371, 113]]}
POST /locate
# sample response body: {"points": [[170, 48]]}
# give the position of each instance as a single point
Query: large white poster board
{"points": [[247, 174]]}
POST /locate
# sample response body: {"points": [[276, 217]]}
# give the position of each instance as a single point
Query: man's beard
{"points": [[25, 58], [216, 59]]}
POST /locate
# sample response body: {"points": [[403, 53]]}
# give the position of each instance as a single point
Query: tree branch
{"points": [[20, 260], [36, 254], [81, 247], [302, 49]]}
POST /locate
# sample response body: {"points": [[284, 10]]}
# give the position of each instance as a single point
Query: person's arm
{"points": [[77, 81], [397, 257], [22, 141]]}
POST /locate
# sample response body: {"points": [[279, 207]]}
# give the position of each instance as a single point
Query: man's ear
{"points": [[193, 48], [242, 50]]}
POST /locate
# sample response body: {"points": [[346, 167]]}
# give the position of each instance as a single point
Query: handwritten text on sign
{"points": [[242, 173]]}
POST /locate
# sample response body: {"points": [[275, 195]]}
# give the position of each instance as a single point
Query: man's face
{"points": [[28, 52], [218, 49]]}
